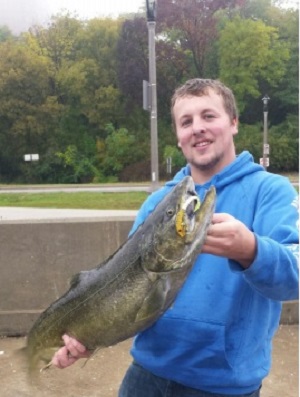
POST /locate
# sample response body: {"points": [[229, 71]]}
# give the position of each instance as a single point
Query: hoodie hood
{"points": [[241, 166]]}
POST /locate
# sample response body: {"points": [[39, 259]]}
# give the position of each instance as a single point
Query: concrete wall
{"points": [[38, 259]]}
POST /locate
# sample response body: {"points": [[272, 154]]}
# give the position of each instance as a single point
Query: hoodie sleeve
{"points": [[274, 272]]}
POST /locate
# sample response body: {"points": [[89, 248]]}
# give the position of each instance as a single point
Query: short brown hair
{"points": [[199, 87]]}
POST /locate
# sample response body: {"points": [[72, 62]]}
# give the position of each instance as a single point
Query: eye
{"points": [[209, 116], [185, 122], [170, 211]]}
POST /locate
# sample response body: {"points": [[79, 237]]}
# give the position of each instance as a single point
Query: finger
{"points": [[216, 230], [55, 358], [66, 361], [75, 348], [61, 359], [209, 231], [220, 217]]}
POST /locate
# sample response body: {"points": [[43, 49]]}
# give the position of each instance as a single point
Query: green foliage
{"points": [[59, 40], [118, 153], [27, 109], [250, 138], [282, 138], [74, 88], [284, 145], [98, 41], [287, 93], [243, 65], [176, 155], [78, 168]]}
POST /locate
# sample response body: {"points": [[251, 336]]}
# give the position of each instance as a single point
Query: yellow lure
{"points": [[180, 224]]}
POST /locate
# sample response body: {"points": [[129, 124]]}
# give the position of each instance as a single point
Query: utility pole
{"points": [[151, 23], [266, 147]]}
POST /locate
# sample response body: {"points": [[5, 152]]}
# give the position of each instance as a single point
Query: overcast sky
{"points": [[19, 15]]}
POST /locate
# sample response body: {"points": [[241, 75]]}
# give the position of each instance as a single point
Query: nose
{"points": [[198, 126]]}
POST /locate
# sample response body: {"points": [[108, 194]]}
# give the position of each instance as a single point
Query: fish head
{"points": [[179, 226]]}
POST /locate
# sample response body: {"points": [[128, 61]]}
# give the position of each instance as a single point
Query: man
{"points": [[216, 338]]}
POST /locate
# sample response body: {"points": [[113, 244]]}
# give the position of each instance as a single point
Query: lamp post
{"points": [[151, 17], [266, 147]]}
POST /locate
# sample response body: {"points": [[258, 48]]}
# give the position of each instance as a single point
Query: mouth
{"points": [[202, 144]]}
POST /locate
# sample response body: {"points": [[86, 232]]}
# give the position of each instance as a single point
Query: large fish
{"points": [[137, 284]]}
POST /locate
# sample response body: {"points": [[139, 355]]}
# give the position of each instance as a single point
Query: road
{"points": [[112, 188]]}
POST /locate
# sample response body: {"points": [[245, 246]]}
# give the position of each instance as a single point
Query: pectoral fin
{"points": [[154, 302]]}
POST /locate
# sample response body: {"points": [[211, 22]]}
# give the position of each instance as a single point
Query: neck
{"points": [[201, 177]]}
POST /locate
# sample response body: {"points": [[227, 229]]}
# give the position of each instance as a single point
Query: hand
{"points": [[71, 352], [230, 238]]}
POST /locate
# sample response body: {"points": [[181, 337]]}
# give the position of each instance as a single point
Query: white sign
{"points": [[267, 162], [266, 148], [31, 157]]}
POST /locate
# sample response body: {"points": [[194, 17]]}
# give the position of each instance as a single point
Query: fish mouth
{"points": [[185, 218], [192, 212], [191, 205]]}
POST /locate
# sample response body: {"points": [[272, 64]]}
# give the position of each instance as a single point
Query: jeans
{"points": [[139, 382]]}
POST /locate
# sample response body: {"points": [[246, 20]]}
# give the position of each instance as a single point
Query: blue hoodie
{"points": [[217, 335]]}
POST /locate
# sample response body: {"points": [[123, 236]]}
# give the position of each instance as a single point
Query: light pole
{"points": [[266, 147], [151, 17]]}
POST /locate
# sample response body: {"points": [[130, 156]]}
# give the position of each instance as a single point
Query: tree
{"points": [[88, 82], [58, 40], [98, 41], [77, 166], [284, 145], [243, 65], [286, 95], [196, 26], [132, 60], [133, 66], [286, 21], [118, 150], [5, 33], [27, 111]]}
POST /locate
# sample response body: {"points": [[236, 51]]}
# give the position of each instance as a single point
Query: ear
{"points": [[235, 125], [179, 144]]}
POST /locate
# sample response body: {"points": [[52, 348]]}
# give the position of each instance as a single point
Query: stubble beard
{"points": [[209, 165]]}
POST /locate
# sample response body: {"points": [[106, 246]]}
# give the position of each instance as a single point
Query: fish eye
{"points": [[170, 211]]}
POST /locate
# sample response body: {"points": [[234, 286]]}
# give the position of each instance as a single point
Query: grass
{"points": [[80, 200], [85, 200]]}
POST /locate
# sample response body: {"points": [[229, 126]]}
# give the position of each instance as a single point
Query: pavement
{"points": [[21, 214], [103, 373], [76, 188]]}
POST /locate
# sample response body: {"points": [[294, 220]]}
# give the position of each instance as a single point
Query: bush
{"points": [[282, 138]]}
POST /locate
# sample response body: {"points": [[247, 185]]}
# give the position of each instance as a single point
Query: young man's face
{"points": [[205, 134]]}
